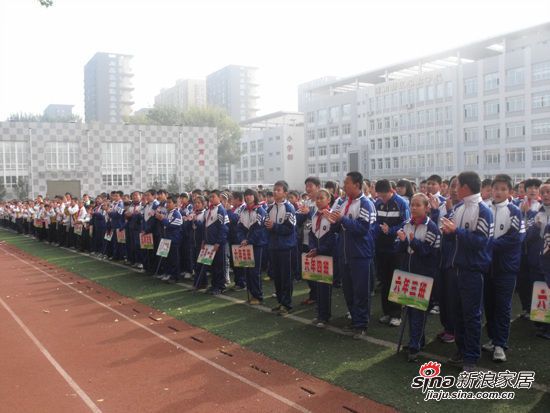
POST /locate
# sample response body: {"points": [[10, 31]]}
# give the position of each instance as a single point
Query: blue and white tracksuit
{"points": [[216, 228], [233, 215], [117, 223], [172, 230]]}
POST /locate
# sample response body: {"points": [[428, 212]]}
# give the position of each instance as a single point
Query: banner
{"points": [[121, 236], [319, 268], [77, 229], [108, 236], [206, 256], [146, 241], [243, 257], [164, 247], [412, 290], [38, 223], [540, 302]]}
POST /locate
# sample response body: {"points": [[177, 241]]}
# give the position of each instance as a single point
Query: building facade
{"points": [[185, 94], [234, 89], [483, 107], [92, 158], [59, 113], [272, 148], [108, 88]]}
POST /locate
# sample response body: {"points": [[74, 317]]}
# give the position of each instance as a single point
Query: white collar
{"points": [[501, 204], [472, 199]]}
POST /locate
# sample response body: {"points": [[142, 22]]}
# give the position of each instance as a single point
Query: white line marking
{"points": [[53, 361], [276, 396]]}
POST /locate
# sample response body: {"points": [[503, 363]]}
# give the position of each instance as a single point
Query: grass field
{"points": [[368, 369]]}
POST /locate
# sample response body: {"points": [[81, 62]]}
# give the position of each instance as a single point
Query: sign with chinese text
{"points": [[121, 236], [412, 290], [164, 247], [319, 268], [146, 241], [206, 256], [540, 302], [243, 256]]}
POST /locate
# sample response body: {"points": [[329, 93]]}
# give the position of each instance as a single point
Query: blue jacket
{"points": [[98, 218], [507, 238], [356, 228], [394, 213], [233, 216], [546, 255], [535, 223], [283, 234], [216, 225], [251, 227], [448, 241], [474, 230], [196, 229], [423, 250], [150, 223], [172, 226], [117, 215], [322, 237], [134, 223]]}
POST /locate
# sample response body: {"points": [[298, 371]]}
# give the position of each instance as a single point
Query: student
{"points": [[322, 241], [433, 185], [251, 231], [281, 224], [237, 206], [186, 208], [487, 191], [419, 239], [405, 190], [72, 214], [150, 225], [98, 226], [391, 213], [82, 220], [353, 219], [134, 225], [171, 223], [216, 227], [116, 218], [295, 200], [445, 188], [501, 279], [196, 230], [472, 225], [424, 187]]}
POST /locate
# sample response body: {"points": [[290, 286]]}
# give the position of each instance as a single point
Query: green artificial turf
{"points": [[367, 369]]}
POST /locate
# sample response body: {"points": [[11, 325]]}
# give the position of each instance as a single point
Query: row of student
{"points": [[357, 231]]}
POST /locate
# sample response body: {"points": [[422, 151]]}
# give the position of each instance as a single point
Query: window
{"points": [[161, 162], [310, 135], [490, 81], [439, 91], [515, 77], [470, 136], [311, 152], [372, 144], [261, 160], [253, 175], [346, 129], [334, 167], [430, 92], [311, 169], [439, 114], [245, 176], [322, 116], [334, 131], [395, 141], [395, 162], [450, 160], [515, 155], [261, 145], [470, 86], [420, 94], [334, 149], [491, 108], [244, 162], [322, 151], [470, 111], [310, 117], [379, 143], [492, 158], [541, 127], [116, 164], [345, 147], [387, 123], [371, 125], [541, 71], [13, 162], [346, 111], [61, 156], [514, 104], [471, 159], [373, 164], [541, 153], [334, 114], [387, 144], [379, 123], [244, 147], [448, 114], [253, 161], [421, 116], [449, 137], [514, 130], [387, 163], [449, 89], [492, 133], [253, 146], [321, 133], [322, 168], [541, 100]]}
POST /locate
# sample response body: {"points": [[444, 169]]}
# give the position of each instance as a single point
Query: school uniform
{"points": [[422, 258], [150, 226], [251, 227], [196, 231], [99, 224], [73, 213], [501, 280], [471, 259], [82, 219], [172, 231], [116, 217], [282, 239], [355, 254], [303, 222], [323, 239], [185, 250], [216, 228], [233, 216], [134, 227]]}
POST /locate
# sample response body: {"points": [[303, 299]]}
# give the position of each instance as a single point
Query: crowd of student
{"points": [[479, 241]]}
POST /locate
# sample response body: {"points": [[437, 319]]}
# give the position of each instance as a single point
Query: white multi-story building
{"points": [[272, 148], [185, 94], [483, 107]]}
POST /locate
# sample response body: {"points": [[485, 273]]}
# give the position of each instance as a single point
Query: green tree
{"points": [[46, 3], [24, 117], [173, 186], [22, 187]]}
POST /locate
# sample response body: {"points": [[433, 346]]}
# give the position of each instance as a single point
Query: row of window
{"points": [[253, 158], [406, 162], [254, 176], [323, 168], [255, 145], [333, 131], [540, 100], [512, 156], [333, 149], [439, 137], [411, 119], [330, 115]]}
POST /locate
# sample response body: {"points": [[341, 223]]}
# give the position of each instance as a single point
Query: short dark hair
{"points": [[294, 193], [269, 193], [184, 195], [283, 184], [435, 178], [425, 181], [151, 191], [471, 179], [162, 191], [446, 182], [254, 194], [532, 182], [356, 178], [196, 192], [486, 182], [215, 191], [314, 180], [172, 198], [237, 195], [382, 186], [504, 179]]}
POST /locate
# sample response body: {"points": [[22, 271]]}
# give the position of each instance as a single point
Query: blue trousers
{"points": [[281, 263], [323, 298], [468, 315], [499, 289], [218, 269], [447, 299], [133, 247], [417, 322], [171, 265], [253, 275], [355, 275]]}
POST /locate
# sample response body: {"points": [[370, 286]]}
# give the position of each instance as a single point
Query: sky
{"points": [[43, 50]]}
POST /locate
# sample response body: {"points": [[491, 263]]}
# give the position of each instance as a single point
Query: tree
{"points": [[189, 184], [173, 185], [2, 191], [46, 3], [22, 187], [24, 117]]}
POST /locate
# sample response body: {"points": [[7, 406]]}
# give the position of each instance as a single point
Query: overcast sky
{"points": [[43, 51]]}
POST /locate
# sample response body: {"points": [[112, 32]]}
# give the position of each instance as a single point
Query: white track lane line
{"points": [[219, 367], [85, 398]]}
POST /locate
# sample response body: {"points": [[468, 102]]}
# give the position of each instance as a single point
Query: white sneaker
{"points": [[165, 278], [499, 354], [489, 347], [140, 266], [187, 275], [385, 319], [395, 322], [348, 315], [435, 310]]}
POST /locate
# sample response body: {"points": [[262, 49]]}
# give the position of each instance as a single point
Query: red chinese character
{"points": [[414, 287], [319, 266], [201, 163], [201, 151], [248, 257], [201, 141], [543, 297], [290, 157], [306, 265], [397, 287], [422, 290], [406, 285], [325, 268]]}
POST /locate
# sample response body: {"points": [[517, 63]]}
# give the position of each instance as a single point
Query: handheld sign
{"points": [[243, 256], [319, 268], [146, 241], [108, 236], [206, 256], [164, 247], [121, 236], [38, 223], [411, 290], [540, 302], [78, 229]]}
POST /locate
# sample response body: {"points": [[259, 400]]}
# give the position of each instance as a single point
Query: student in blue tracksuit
{"points": [[472, 225], [116, 216], [237, 206], [392, 212], [185, 208], [134, 225], [506, 255], [216, 228], [281, 224], [99, 225], [536, 224], [419, 239], [196, 232], [353, 218], [171, 223], [251, 231], [149, 226], [322, 241]]}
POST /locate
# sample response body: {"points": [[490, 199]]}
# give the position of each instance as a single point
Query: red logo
{"points": [[430, 369]]}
